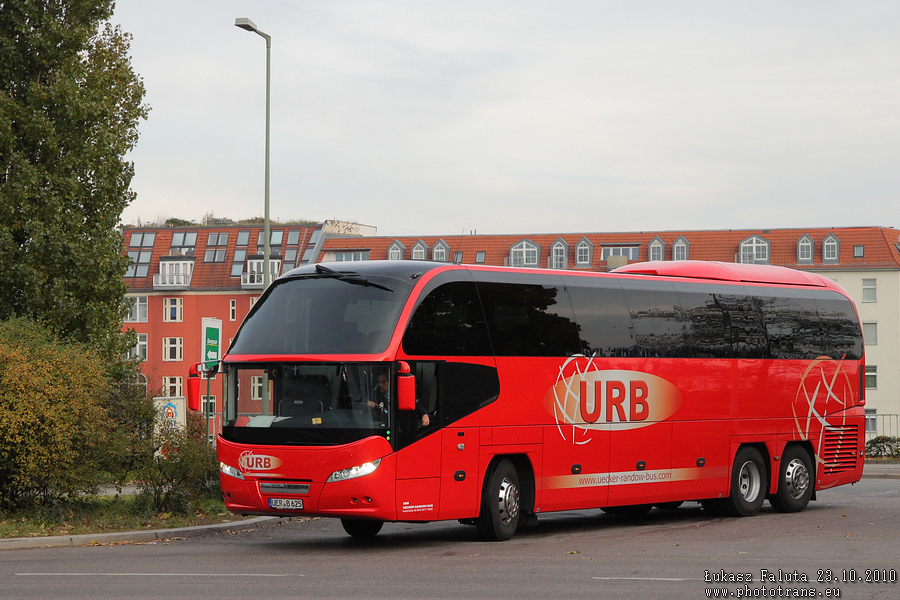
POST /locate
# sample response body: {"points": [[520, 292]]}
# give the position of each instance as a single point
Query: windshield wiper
{"points": [[353, 278]]}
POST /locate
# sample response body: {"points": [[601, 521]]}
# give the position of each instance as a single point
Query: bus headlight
{"points": [[229, 470], [354, 472]]}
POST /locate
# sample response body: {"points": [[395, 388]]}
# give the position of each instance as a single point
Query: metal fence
{"points": [[885, 424]]}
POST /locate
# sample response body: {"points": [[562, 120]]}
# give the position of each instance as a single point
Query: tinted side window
{"points": [[529, 319], [660, 324], [604, 322], [725, 322], [792, 324], [448, 322], [842, 336]]}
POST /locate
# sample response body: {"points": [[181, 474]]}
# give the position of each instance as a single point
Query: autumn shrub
{"points": [[178, 468], [56, 434]]}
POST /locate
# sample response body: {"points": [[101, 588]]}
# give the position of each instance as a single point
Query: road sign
{"points": [[212, 341]]}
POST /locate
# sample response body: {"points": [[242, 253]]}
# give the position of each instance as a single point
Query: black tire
{"points": [[362, 528], [631, 510], [499, 515], [748, 484], [796, 480]]}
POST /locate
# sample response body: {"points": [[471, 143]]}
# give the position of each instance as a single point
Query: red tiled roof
{"points": [[209, 276], [880, 243]]}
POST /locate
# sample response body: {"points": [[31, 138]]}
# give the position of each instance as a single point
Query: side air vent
{"points": [[840, 449]]}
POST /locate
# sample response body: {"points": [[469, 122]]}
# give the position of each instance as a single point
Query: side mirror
{"points": [[193, 387], [406, 387]]}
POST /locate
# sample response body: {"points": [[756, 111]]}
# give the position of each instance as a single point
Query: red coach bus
{"points": [[416, 391]]}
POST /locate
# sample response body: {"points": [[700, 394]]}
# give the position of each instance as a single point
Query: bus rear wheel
{"points": [[748, 483], [795, 481], [499, 515], [362, 528]]}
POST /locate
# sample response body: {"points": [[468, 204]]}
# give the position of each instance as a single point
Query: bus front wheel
{"points": [[499, 515], [748, 483], [795, 481], [362, 528]]}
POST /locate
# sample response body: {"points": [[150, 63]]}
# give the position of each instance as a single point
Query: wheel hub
{"points": [[796, 479], [508, 501]]}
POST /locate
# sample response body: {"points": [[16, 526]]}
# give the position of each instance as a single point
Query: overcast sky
{"points": [[440, 117]]}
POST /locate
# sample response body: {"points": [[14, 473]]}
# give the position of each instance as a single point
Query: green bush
{"points": [[883, 447], [55, 429]]}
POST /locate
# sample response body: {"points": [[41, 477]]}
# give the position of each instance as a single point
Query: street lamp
{"points": [[245, 23]]}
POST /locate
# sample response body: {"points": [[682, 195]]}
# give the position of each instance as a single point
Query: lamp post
{"points": [[245, 23]]}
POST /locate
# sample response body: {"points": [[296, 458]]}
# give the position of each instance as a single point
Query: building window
{"points": [[139, 351], [479, 257], [457, 257], [395, 252], [293, 237], [142, 239], [559, 256], [870, 334], [214, 253], [418, 252], [524, 254], [681, 249], [871, 420], [805, 250], [173, 310], [183, 243], [755, 250], [583, 252], [859, 251], [439, 253], [232, 310], [275, 238], [629, 252], [290, 259], [351, 256], [256, 388], [243, 237], [137, 309], [171, 386], [209, 405], [871, 377], [869, 290], [172, 349], [140, 262], [657, 250], [831, 249], [255, 273], [174, 273]]}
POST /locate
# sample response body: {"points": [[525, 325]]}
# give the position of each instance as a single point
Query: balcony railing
{"points": [[172, 280]]}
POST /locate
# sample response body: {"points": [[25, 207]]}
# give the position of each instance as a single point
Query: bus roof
{"points": [[701, 269]]}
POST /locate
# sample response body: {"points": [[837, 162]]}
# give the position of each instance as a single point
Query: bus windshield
{"points": [[306, 403], [324, 313]]}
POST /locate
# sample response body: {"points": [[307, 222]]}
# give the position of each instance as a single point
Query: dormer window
{"points": [[755, 250], [420, 251], [440, 251], [657, 249], [524, 254], [805, 248], [183, 243], [559, 255], [584, 253], [831, 250], [681, 249], [396, 250]]}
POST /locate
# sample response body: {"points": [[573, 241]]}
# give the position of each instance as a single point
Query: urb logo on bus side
{"points": [[586, 398]]}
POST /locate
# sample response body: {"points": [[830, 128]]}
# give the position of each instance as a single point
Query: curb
{"points": [[151, 535]]}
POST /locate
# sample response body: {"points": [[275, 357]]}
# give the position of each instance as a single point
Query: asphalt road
{"points": [[848, 534]]}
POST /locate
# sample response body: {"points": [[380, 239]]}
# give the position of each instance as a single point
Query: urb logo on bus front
{"points": [[258, 462], [586, 398]]}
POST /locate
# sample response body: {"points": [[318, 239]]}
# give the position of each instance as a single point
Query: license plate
{"points": [[286, 503]]}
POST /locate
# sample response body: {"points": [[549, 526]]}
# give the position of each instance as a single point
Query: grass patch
{"points": [[105, 515]]}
